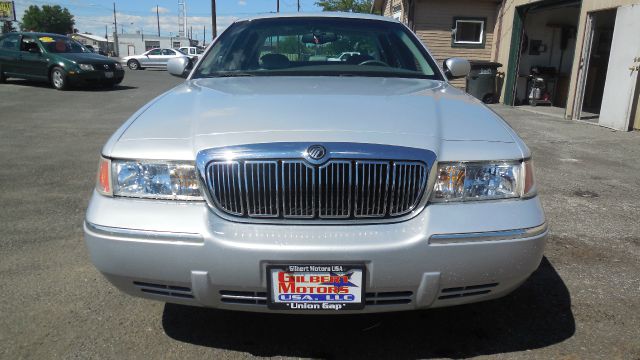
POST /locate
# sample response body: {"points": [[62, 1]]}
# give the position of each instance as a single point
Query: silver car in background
{"points": [[154, 58], [285, 182]]}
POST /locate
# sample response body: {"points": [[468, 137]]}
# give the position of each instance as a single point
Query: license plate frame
{"points": [[353, 299], [108, 74]]}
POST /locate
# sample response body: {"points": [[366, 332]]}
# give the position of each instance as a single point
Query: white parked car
{"points": [[266, 182], [154, 58], [192, 52]]}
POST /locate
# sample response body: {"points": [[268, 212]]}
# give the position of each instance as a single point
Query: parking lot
{"points": [[583, 301]]}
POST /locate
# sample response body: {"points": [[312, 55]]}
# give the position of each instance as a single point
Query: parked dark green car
{"points": [[55, 58]]}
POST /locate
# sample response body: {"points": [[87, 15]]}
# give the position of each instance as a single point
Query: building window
{"points": [[176, 44], [148, 45], [468, 32]]}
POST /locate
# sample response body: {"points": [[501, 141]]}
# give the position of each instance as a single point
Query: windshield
{"points": [[62, 44], [317, 46]]}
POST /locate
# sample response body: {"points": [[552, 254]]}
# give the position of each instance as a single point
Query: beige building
{"points": [[581, 57]]}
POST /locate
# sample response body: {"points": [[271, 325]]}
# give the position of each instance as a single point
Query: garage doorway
{"points": [[547, 47], [131, 50], [594, 63]]}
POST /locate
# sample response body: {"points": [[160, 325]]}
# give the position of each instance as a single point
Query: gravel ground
{"points": [[583, 302]]}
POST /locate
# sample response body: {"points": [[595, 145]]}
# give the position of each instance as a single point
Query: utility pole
{"points": [[213, 20], [190, 32], [277, 5], [158, 18], [115, 33], [204, 35], [298, 5]]}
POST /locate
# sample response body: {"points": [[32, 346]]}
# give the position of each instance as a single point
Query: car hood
{"points": [[215, 112], [86, 58]]}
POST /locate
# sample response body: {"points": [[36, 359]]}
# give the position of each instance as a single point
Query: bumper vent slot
{"points": [[464, 291], [243, 297], [164, 290], [389, 298]]}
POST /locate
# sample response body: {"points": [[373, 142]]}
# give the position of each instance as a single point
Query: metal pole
{"points": [[204, 35], [115, 33], [277, 5], [213, 20], [298, 5], [158, 19]]}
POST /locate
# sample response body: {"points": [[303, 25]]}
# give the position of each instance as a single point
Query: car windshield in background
{"points": [[61, 44], [317, 46]]}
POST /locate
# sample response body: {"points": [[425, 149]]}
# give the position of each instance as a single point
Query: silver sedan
{"points": [[153, 58], [274, 180]]}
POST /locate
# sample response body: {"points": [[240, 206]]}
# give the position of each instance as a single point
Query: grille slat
{"points": [[339, 189], [261, 188], [298, 189]]}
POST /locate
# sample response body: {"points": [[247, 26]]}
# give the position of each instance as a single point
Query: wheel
{"points": [[59, 78], [133, 65]]}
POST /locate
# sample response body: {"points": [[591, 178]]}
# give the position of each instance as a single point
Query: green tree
{"points": [[7, 27], [52, 19], [357, 6]]}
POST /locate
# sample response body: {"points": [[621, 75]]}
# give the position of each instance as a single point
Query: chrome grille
{"points": [[295, 189]]}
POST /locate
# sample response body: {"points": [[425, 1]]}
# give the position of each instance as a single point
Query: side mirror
{"points": [[456, 68], [179, 66]]}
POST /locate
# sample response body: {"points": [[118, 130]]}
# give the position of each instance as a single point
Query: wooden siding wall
{"points": [[434, 20]]}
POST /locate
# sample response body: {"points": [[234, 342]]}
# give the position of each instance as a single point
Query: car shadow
{"points": [[536, 315], [88, 87]]}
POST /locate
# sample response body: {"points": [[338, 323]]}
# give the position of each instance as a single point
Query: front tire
{"points": [[59, 78], [133, 65]]}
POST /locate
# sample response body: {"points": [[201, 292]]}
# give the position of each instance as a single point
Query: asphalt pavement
{"points": [[583, 302]]}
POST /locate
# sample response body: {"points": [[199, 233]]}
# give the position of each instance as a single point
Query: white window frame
{"points": [[475, 21]]}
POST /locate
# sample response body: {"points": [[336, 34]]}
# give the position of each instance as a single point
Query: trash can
{"points": [[481, 82]]}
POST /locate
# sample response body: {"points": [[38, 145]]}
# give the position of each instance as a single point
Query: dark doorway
{"points": [[603, 23]]}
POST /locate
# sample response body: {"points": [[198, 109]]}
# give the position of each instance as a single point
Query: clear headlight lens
{"points": [[148, 179], [86, 67], [118, 66], [468, 181]]}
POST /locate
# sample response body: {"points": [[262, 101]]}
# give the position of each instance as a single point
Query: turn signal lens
{"points": [[529, 186], [103, 181]]}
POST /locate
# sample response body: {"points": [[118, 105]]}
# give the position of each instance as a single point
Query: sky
{"points": [[140, 15]]}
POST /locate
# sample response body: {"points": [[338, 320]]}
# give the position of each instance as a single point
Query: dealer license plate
{"points": [[108, 74], [316, 287]]}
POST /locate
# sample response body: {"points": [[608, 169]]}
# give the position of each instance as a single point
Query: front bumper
{"points": [[184, 253], [95, 77]]}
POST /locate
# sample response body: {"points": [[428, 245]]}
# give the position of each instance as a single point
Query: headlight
{"points": [[468, 181], [171, 180], [86, 67], [118, 66]]}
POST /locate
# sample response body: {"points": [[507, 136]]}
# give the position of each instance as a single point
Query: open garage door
{"points": [[622, 73]]}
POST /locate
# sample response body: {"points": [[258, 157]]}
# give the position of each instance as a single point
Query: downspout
{"points": [[499, 31]]}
